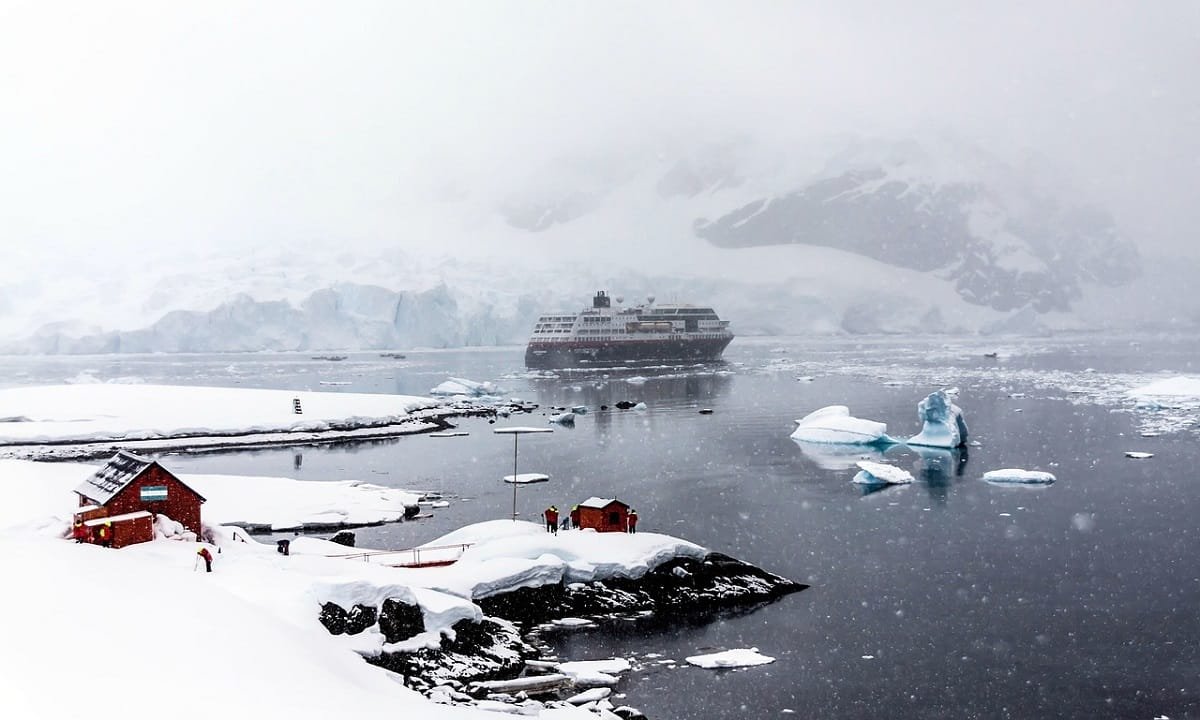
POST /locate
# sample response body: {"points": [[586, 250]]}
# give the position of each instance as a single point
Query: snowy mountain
{"points": [[961, 215], [933, 237]]}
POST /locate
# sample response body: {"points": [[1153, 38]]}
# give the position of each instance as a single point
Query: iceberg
{"points": [[944, 426], [835, 424], [461, 386], [1015, 476], [873, 473], [566, 419]]}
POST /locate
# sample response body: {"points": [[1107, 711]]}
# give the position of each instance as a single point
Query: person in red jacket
{"points": [[80, 531], [551, 515], [205, 555], [632, 520]]}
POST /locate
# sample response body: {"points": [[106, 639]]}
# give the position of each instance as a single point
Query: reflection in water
{"points": [[839, 456], [938, 467], [668, 387]]}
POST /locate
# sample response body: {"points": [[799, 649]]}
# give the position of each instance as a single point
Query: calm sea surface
{"points": [[947, 598]]}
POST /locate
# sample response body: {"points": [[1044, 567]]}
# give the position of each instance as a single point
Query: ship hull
{"points": [[583, 353]]}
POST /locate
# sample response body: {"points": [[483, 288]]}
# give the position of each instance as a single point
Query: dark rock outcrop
{"points": [[681, 586]]}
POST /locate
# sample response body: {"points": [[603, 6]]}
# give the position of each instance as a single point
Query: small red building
{"points": [[130, 484], [603, 515], [120, 530]]}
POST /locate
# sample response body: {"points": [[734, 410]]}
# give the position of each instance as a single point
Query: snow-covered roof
{"points": [[117, 518], [86, 508], [600, 503], [110, 480], [113, 477]]}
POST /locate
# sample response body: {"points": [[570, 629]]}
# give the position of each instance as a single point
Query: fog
{"points": [[129, 126]]}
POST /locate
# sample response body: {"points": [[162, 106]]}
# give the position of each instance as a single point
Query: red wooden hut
{"points": [[603, 515], [130, 484], [120, 530]]}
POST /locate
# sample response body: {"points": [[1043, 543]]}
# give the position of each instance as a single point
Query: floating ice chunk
{"points": [[873, 473], [1176, 387], [567, 418], [587, 696], [461, 386], [1135, 455], [640, 406], [636, 380], [572, 622], [943, 422], [731, 659], [579, 409], [835, 424], [526, 478], [1015, 476]]}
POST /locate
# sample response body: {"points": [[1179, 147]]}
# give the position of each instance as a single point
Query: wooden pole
{"points": [[514, 514]]}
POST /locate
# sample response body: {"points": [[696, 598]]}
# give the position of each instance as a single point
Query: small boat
{"points": [[393, 355], [329, 357]]}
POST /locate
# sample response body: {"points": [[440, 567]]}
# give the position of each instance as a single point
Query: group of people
{"points": [[553, 524], [100, 535]]}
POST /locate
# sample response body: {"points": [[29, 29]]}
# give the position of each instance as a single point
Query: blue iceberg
{"points": [[944, 426]]}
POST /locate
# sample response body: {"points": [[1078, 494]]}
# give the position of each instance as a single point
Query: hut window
{"points": [[614, 518]]}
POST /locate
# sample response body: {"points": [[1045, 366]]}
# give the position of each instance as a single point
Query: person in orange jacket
{"points": [[551, 516]]}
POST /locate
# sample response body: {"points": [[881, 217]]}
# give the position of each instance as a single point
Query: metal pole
{"points": [[514, 516]]}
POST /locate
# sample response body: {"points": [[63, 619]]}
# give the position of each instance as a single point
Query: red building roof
{"points": [[121, 470]]}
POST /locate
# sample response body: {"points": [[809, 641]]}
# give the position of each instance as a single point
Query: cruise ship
{"points": [[607, 335]]}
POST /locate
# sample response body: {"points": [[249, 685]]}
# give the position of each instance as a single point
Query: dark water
{"points": [[947, 598]]}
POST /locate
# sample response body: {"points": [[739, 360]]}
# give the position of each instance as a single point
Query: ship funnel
{"points": [[649, 299], [601, 300], [620, 299]]}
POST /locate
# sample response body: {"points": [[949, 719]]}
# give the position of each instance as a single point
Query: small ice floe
{"points": [[1135, 455], [579, 409], [594, 673], [567, 419], [873, 473], [572, 622], [805, 378], [526, 478], [636, 380], [943, 423], [439, 504], [455, 433], [1016, 476], [731, 659], [334, 382], [640, 406], [587, 696], [835, 424], [461, 386]]}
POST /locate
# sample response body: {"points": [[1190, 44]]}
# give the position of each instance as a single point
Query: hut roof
{"points": [[600, 503], [110, 480]]}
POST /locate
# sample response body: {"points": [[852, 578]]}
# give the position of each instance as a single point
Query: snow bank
{"points": [[107, 411], [1015, 476], [731, 659], [506, 555], [943, 423], [835, 424], [873, 473]]}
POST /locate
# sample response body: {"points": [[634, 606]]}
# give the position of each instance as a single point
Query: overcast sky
{"points": [[126, 125]]}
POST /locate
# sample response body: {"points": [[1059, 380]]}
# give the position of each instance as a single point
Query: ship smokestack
{"points": [[601, 300]]}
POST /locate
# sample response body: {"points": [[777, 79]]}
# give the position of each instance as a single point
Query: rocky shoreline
{"points": [[497, 659]]}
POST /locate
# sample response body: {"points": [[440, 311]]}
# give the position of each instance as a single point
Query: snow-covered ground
{"points": [[114, 411], [83, 608]]}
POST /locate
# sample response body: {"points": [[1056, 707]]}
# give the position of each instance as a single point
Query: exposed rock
{"points": [[676, 587], [489, 649], [400, 621], [343, 537]]}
